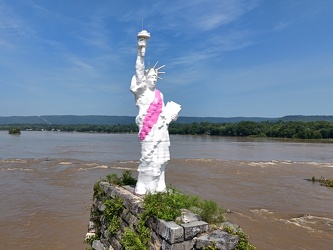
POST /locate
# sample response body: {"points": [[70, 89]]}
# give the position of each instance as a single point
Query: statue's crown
{"points": [[156, 70]]}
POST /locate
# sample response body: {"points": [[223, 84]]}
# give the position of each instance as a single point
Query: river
{"points": [[46, 181]]}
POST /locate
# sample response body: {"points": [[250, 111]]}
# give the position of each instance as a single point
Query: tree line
{"points": [[119, 128], [280, 129]]}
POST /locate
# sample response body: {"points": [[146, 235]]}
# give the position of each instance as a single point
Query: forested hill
{"points": [[111, 120]]}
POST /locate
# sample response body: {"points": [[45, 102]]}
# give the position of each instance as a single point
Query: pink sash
{"points": [[153, 112]]}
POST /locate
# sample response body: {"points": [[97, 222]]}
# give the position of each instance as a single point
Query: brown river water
{"points": [[46, 181]]}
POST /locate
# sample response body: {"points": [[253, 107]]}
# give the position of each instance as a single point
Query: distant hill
{"points": [[88, 119], [111, 120], [68, 119], [21, 120], [255, 119], [222, 119], [310, 118]]}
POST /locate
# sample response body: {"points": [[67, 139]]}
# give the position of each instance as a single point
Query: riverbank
{"points": [[45, 200]]}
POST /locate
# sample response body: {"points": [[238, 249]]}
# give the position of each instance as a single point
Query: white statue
{"points": [[153, 120]]}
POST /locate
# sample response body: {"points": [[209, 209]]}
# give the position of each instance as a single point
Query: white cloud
{"points": [[232, 40], [13, 28], [6, 44], [202, 15], [282, 25]]}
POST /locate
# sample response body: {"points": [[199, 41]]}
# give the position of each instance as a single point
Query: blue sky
{"points": [[224, 58]]}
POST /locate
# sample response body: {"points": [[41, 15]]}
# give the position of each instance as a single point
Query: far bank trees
{"points": [[316, 130]]}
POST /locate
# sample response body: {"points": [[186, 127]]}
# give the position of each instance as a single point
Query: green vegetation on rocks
{"points": [[243, 243], [125, 179], [322, 181], [112, 211], [137, 238], [167, 206]]}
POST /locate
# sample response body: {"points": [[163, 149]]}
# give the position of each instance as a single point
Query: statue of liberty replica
{"points": [[152, 120]]}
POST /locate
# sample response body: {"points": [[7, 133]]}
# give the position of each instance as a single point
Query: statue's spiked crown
{"points": [[155, 69]]}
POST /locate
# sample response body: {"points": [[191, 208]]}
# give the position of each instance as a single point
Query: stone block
{"points": [[105, 186], [100, 205], [124, 215], [136, 207], [171, 231], [109, 189], [105, 242], [131, 202], [185, 245], [222, 240], [156, 241], [115, 193], [128, 200], [129, 188], [116, 244], [187, 217], [153, 223], [231, 225], [102, 220], [168, 230], [94, 202], [194, 228], [91, 227], [105, 232], [130, 219], [98, 245]]}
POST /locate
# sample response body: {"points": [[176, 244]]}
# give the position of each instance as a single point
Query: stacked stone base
{"points": [[192, 233]]}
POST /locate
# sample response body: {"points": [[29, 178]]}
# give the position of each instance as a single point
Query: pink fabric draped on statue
{"points": [[153, 112]]}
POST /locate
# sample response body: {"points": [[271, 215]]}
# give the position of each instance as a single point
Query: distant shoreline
{"points": [[311, 131], [111, 120], [270, 138]]}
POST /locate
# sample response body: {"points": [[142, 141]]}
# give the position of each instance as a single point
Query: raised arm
{"points": [[140, 62], [138, 81]]}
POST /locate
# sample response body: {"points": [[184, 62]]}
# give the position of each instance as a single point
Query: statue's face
{"points": [[151, 79]]}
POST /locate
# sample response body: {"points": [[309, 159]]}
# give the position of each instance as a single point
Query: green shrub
{"points": [[98, 191], [162, 205], [114, 225], [167, 206], [125, 179], [113, 179], [112, 211], [243, 242], [209, 247], [210, 212], [130, 240], [138, 238]]}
